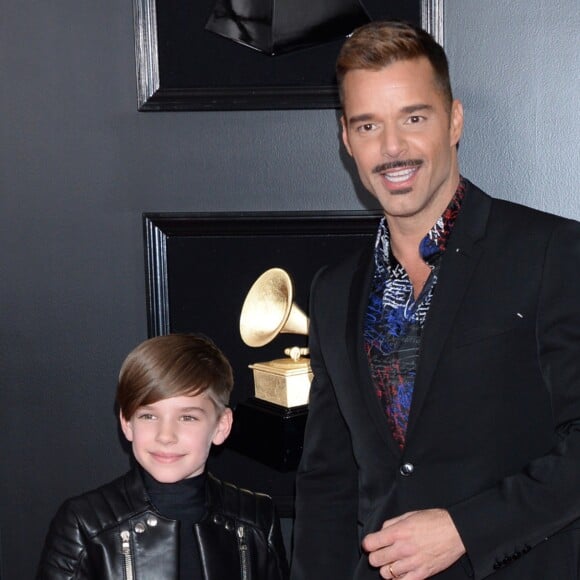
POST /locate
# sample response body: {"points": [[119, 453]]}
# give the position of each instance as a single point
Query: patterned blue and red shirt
{"points": [[394, 318]]}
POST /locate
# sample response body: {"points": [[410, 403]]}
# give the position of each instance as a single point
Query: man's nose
{"points": [[393, 144]]}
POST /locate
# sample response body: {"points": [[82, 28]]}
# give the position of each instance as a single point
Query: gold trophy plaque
{"points": [[268, 310]]}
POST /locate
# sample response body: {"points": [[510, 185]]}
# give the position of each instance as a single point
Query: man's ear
{"points": [[126, 427], [456, 122], [224, 427], [345, 135]]}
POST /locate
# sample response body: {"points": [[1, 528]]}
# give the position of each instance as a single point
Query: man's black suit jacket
{"points": [[494, 426]]}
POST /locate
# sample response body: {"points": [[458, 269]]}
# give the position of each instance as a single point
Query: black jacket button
{"points": [[406, 469]]}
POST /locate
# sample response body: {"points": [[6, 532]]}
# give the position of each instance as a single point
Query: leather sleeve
{"points": [[326, 484], [234, 510], [277, 560], [526, 509], [64, 553], [258, 510]]}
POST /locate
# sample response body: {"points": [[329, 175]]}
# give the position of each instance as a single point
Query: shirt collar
{"points": [[434, 243]]}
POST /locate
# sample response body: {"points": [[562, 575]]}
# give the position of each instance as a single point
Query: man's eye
{"points": [[415, 119], [366, 127]]}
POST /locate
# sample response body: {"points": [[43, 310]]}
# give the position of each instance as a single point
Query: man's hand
{"points": [[415, 546]]}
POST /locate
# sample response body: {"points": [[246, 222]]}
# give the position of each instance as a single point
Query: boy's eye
{"points": [[189, 418], [146, 416]]}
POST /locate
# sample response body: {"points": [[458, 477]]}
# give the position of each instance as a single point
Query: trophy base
{"points": [[269, 433], [283, 382]]}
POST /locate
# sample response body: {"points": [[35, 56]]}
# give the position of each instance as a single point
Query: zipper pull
{"points": [[127, 556], [241, 533], [244, 556], [125, 545]]}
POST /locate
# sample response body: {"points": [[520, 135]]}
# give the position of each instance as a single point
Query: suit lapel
{"points": [[457, 266], [357, 304]]}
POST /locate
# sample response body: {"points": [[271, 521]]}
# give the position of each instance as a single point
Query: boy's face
{"points": [[171, 438]]}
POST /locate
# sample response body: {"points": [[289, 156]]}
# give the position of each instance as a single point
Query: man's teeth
{"points": [[399, 176]]}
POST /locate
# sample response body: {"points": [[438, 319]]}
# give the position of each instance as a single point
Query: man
{"points": [[443, 435]]}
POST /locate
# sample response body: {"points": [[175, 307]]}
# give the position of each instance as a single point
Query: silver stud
{"points": [[140, 527], [152, 521]]}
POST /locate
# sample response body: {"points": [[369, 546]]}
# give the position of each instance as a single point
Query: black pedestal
{"points": [[269, 433]]}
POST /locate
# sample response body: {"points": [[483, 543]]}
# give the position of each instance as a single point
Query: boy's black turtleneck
{"points": [[185, 502]]}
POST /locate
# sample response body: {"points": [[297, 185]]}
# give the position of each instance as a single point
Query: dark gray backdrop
{"points": [[79, 164]]}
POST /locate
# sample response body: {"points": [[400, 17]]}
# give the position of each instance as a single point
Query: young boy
{"points": [[167, 518]]}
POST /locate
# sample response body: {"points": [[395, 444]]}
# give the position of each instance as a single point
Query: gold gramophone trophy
{"points": [[268, 311], [270, 426]]}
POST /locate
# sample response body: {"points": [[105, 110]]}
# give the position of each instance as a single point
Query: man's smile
{"points": [[392, 166], [398, 173]]}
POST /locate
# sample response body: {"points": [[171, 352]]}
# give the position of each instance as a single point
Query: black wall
{"points": [[79, 165]]}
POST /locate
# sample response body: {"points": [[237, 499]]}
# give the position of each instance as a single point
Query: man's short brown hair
{"points": [[171, 366], [378, 44]]}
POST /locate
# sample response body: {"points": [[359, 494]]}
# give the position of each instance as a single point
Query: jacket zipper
{"points": [[243, 547], [127, 556]]}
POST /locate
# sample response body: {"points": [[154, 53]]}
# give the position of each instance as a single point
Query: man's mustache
{"points": [[397, 165]]}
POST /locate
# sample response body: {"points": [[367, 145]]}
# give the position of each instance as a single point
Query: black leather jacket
{"points": [[114, 533]]}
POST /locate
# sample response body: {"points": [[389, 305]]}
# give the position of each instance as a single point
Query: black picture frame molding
{"points": [[154, 96]]}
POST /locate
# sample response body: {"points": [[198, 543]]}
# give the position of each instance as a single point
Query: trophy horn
{"points": [[268, 309]]}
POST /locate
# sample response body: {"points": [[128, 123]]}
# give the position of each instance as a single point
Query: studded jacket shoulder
{"points": [[114, 532]]}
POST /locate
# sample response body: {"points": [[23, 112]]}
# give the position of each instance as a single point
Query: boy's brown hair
{"points": [[378, 44], [173, 365]]}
